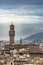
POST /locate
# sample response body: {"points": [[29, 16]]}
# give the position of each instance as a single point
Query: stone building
{"points": [[32, 49]]}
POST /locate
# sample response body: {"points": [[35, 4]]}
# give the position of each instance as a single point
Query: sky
{"points": [[24, 14], [21, 11]]}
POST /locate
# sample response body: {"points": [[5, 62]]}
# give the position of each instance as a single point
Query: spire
{"points": [[12, 23]]}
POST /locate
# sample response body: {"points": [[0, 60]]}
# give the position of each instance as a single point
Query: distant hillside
{"points": [[35, 37], [4, 41]]}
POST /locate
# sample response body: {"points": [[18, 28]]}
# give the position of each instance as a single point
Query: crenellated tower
{"points": [[12, 34]]}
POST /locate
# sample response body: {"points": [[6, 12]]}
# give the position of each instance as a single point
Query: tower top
{"points": [[11, 23]]}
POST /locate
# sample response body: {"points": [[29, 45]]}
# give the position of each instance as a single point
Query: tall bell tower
{"points": [[12, 34]]}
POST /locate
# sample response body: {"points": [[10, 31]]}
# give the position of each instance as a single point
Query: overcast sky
{"points": [[21, 11]]}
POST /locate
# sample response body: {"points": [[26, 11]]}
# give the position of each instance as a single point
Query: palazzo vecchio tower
{"points": [[12, 34]]}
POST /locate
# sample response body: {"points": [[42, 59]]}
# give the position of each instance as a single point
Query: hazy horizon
{"points": [[21, 30]]}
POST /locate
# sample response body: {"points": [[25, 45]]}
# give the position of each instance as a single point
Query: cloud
{"points": [[7, 18], [22, 14], [13, 2], [21, 11]]}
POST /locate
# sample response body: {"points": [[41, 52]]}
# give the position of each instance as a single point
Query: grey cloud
{"points": [[12, 2], [25, 10]]}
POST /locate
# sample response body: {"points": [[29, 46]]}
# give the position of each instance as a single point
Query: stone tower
{"points": [[21, 41], [12, 34]]}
